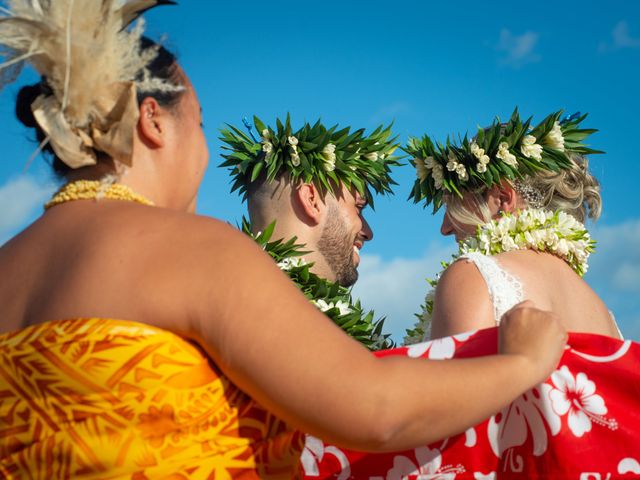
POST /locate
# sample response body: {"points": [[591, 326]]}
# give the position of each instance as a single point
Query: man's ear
{"points": [[310, 202], [151, 123]]}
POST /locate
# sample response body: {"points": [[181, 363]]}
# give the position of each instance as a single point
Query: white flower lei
{"points": [[557, 233]]}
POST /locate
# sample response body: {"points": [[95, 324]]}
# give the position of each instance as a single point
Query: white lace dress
{"points": [[505, 290]]}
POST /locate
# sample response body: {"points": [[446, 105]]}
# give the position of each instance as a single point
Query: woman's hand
{"points": [[534, 334]]}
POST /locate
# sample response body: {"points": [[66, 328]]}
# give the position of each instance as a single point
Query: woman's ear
{"points": [[310, 202], [507, 197], [151, 123], [502, 198]]}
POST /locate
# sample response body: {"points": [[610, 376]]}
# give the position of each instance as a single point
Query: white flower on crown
{"points": [[481, 167], [265, 134], [554, 138], [429, 162], [373, 156], [530, 148], [452, 164], [476, 150], [462, 172], [295, 159], [479, 153], [421, 170], [267, 147], [505, 155], [293, 141], [438, 175], [329, 157]]}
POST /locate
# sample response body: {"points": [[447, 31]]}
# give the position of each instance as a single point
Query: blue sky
{"points": [[432, 68]]}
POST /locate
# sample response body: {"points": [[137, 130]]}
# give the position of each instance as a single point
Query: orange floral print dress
{"points": [[111, 399]]}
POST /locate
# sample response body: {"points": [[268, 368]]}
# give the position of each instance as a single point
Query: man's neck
{"points": [[286, 230]]}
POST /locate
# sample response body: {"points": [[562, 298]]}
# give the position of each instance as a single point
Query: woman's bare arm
{"points": [[287, 355], [462, 302]]}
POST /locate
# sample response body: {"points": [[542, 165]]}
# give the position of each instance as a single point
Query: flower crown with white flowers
{"points": [[511, 150], [326, 157]]}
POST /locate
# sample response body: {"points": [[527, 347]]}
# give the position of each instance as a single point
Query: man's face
{"points": [[343, 235]]}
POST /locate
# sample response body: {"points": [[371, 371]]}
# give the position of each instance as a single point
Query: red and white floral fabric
{"points": [[583, 423]]}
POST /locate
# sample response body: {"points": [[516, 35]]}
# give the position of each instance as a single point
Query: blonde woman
{"points": [[516, 198]]}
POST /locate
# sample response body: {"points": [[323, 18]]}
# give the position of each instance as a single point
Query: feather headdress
{"points": [[91, 62]]}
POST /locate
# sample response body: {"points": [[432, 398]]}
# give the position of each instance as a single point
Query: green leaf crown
{"points": [[326, 157], [509, 150]]}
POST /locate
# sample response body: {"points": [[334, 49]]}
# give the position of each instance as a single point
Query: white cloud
{"points": [[19, 199], [615, 272], [617, 256], [519, 49], [620, 38], [396, 287]]}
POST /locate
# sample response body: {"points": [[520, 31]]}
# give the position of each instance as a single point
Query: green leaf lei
{"points": [[557, 233], [324, 156], [512, 150], [334, 300]]}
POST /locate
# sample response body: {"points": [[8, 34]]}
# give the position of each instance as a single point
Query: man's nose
{"points": [[447, 227], [366, 231]]}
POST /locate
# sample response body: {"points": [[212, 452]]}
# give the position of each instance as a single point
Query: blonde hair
{"points": [[574, 191]]}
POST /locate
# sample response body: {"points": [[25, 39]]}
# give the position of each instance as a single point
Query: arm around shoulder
{"points": [[276, 346]]}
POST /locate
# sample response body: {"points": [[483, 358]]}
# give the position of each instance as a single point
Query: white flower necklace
{"points": [[557, 233]]}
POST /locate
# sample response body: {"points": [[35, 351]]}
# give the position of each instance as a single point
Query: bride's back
{"points": [[552, 285]]}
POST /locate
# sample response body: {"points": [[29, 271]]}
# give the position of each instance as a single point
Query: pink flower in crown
{"points": [[577, 396]]}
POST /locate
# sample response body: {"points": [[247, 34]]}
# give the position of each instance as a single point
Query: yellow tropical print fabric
{"points": [[111, 399]]}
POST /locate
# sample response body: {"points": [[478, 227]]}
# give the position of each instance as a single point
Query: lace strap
{"points": [[505, 290]]}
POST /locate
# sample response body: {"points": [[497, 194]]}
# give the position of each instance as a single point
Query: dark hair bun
{"points": [[26, 96]]}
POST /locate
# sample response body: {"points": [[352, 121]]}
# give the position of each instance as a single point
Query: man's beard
{"points": [[336, 246]]}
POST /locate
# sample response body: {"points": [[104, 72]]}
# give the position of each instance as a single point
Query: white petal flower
{"points": [[554, 138], [267, 147], [265, 134], [508, 244], [505, 155], [462, 172], [421, 170], [295, 159], [373, 156], [293, 141], [344, 307], [481, 167], [562, 248], [329, 165], [329, 156], [530, 148], [291, 262], [438, 175], [477, 151], [329, 149], [429, 162], [322, 305], [452, 164]]}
